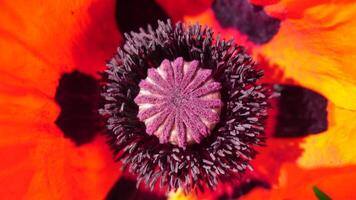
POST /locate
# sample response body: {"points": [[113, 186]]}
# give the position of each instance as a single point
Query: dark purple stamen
{"points": [[219, 154]]}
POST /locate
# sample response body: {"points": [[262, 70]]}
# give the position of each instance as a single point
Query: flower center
{"points": [[178, 99], [179, 102]]}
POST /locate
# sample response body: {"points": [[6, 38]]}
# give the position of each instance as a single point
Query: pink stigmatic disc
{"points": [[179, 102]]}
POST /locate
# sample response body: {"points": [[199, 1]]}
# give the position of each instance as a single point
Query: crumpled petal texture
{"points": [[315, 46], [296, 183], [42, 165], [334, 147], [40, 40]]}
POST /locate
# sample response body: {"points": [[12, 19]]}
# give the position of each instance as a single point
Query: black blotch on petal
{"points": [[249, 186], [125, 189], [78, 97], [300, 112], [249, 19], [224, 197], [133, 14]]}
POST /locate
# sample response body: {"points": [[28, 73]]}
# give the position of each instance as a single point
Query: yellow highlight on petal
{"points": [[317, 50], [179, 195], [334, 147]]}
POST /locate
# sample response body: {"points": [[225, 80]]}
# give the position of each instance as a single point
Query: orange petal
{"points": [[294, 8], [297, 183], [334, 147], [37, 162], [315, 47], [20, 107], [40, 40], [42, 165], [82, 173]]}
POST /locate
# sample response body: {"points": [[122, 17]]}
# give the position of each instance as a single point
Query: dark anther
{"points": [[125, 189], [133, 14], [78, 96], [300, 112], [247, 18]]}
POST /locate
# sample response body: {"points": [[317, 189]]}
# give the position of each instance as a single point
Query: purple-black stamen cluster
{"points": [[221, 156]]}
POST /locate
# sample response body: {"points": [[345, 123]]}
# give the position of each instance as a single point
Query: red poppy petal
{"points": [[39, 40], [315, 47], [67, 173], [178, 9], [22, 107], [297, 183], [263, 2], [43, 166], [334, 147]]}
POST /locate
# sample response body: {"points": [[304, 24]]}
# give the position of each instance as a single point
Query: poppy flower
{"points": [[42, 42]]}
